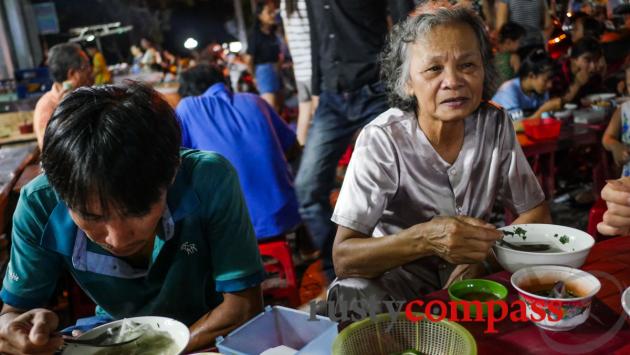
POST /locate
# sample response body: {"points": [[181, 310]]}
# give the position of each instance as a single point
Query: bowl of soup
{"points": [[599, 98], [473, 295], [567, 246], [545, 307], [160, 336]]}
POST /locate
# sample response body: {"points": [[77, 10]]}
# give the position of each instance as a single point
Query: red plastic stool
{"points": [[278, 248], [595, 216], [347, 155]]}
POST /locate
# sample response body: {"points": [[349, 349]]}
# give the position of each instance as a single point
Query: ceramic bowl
{"points": [[563, 115], [569, 246], [555, 314], [600, 97], [465, 291], [625, 301], [177, 331]]}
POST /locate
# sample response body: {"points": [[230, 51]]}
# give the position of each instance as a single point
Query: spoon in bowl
{"points": [[109, 338], [523, 247]]}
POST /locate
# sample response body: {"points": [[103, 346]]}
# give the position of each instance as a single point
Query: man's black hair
{"points": [[196, 80], [511, 30], [537, 62], [590, 25], [113, 145], [63, 57], [586, 45]]}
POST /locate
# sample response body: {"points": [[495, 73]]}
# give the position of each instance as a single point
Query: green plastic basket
{"points": [[425, 336]]}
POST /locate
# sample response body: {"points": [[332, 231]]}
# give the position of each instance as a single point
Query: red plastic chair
{"points": [[286, 288]]}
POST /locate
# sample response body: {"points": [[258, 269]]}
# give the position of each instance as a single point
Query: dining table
{"points": [[542, 153], [606, 331]]}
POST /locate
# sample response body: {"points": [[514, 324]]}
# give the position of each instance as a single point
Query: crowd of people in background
{"points": [[331, 68], [382, 71]]}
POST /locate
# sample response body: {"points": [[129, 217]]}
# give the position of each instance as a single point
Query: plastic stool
{"points": [[347, 155], [278, 248]]}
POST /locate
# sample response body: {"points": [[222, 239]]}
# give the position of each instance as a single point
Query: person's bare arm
{"points": [[502, 14], [28, 332], [249, 61], [611, 142], [515, 62], [236, 309], [314, 103], [42, 114], [580, 79], [538, 214], [554, 104], [459, 240], [546, 22], [487, 7]]}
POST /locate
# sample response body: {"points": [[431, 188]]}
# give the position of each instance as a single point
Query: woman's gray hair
{"points": [[395, 59]]}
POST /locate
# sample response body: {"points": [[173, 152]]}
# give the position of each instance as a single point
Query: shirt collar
{"points": [[220, 90], [107, 264]]}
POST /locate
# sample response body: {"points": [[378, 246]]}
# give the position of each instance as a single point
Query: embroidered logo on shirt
{"points": [[13, 277], [189, 248]]}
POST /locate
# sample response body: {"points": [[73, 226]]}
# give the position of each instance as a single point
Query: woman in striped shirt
{"points": [[296, 27]]}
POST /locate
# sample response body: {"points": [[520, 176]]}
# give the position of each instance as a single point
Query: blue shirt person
{"points": [[136, 221], [513, 99], [528, 94], [246, 130]]}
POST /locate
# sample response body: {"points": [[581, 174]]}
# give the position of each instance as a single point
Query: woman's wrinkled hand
{"points": [[32, 332], [616, 220], [460, 240]]}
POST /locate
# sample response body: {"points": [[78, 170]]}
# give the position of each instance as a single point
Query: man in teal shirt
{"points": [[143, 227]]}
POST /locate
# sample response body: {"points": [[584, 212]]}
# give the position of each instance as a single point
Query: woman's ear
{"points": [[409, 89]]}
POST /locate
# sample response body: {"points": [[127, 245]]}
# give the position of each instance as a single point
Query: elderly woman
{"points": [[426, 173]]}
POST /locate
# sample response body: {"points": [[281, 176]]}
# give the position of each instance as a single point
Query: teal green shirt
{"points": [[206, 247]]}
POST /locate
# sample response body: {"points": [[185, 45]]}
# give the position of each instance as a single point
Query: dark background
{"points": [[167, 22]]}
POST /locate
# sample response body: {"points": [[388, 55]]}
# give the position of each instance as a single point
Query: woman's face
{"points": [[446, 73], [541, 82], [587, 62], [268, 14]]}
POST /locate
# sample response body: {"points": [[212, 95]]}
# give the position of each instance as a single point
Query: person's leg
{"points": [[402, 284], [327, 139], [337, 118]]}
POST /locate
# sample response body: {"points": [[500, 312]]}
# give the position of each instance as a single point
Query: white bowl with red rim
{"points": [[555, 314]]}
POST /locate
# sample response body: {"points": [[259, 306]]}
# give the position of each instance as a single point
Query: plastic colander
{"points": [[425, 336]]}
